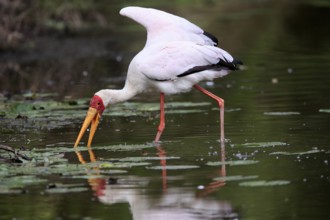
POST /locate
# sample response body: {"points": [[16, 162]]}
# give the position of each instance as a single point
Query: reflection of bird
{"points": [[177, 56], [173, 203]]}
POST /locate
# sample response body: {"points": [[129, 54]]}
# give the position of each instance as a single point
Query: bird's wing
{"points": [[178, 59], [164, 27]]}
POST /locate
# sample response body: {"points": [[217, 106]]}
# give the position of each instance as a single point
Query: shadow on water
{"points": [[275, 164]]}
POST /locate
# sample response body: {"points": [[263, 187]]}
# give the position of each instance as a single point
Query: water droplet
{"points": [[326, 162], [200, 187], [209, 83], [85, 73], [274, 80], [305, 179], [119, 58]]}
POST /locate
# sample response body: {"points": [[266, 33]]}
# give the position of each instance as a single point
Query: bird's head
{"points": [[96, 108]]}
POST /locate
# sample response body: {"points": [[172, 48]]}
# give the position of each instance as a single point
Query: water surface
{"points": [[274, 164]]}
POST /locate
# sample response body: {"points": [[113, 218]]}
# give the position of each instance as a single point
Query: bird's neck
{"points": [[113, 96]]}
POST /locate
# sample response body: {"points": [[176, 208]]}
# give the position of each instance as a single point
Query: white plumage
{"points": [[177, 56], [162, 64], [163, 27]]}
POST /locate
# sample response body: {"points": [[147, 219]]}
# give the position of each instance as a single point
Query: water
{"points": [[274, 164]]}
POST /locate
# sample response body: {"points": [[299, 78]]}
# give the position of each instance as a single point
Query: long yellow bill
{"points": [[92, 117]]}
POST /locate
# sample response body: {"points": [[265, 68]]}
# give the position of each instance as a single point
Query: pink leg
{"points": [[221, 104], [161, 126]]}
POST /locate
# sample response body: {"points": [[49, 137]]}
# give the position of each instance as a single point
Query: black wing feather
{"points": [[220, 65], [212, 37]]}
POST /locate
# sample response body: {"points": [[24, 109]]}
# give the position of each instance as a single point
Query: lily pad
{"points": [[262, 183]]}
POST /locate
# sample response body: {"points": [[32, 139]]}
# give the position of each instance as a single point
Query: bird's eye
{"points": [[98, 103]]}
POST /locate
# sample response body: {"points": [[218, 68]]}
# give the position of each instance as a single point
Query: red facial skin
{"points": [[97, 103]]}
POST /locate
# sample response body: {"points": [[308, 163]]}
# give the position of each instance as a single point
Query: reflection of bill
{"points": [[174, 202]]}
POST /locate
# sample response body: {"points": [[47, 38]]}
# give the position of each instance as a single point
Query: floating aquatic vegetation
{"points": [[232, 163], [173, 167], [139, 109], [261, 183], [66, 188], [235, 178], [264, 144], [281, 113], [50, 161], [184, 111], [14, 184], [40, 112], [186, 104], [118, 147], [131, 164], [314, 151], [125, 147], [134, 159], [324, 110], [233, 110]]}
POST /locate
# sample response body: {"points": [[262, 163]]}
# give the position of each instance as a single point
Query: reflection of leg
{"points": [[162, 155], [221, 104], [161, 126], [215, 185], [80, 157], [91, 155], [223, 160]]}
